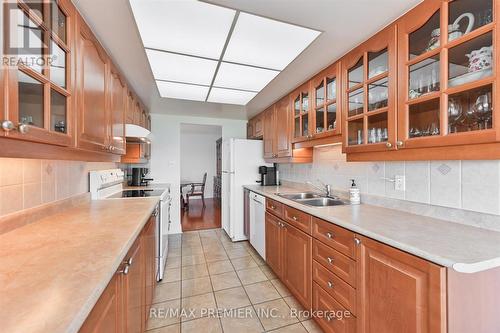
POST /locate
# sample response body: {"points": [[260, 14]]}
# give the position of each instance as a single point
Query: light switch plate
{"points": [[399, 183]]}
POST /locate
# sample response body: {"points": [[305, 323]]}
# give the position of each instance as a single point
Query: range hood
{"points": [[136, 131]]}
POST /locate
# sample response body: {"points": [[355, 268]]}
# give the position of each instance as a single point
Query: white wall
{"points": [[166, 147], [198, 154]]}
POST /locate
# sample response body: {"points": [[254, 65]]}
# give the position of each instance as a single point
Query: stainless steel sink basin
{"points": [[300, 196], [322, 202]]}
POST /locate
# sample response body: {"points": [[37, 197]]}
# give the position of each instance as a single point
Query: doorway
{"points": [[200, 198]]}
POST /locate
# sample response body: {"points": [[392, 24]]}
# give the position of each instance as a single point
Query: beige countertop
{"points": [[464, 248], [53, 271]]}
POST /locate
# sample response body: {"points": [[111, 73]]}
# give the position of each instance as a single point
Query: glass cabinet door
{"points": [[301, 113], [448, 74], [369, 96], [325, 102], [41, 77]]}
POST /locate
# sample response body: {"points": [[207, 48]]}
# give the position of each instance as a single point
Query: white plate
{"points": [[469, 77]]}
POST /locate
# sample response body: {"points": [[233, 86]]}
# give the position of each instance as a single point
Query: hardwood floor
{"points": [[199, 218]]}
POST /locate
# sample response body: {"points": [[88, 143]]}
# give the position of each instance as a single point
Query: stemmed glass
{"points": [[482, 109], [454, 114]]}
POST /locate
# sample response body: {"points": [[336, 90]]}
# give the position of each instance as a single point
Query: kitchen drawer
{"points": [[298, 219], [331, 315], [335, 286], [339, 238], [343, 266], [274, 207]]}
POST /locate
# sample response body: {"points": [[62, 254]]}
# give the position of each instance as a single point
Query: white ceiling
{"points": [[345, 23]]}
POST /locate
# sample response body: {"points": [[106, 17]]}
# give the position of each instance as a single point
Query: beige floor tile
{"points": [[295, 328], [205, 325], [231, 298], [280, 287], [258, 259], [294, 304], [274, 314], [190, 251], [167, 329], [164, 314], [225, 281], [251, 275], [171, 275], [196, 286], [311, 326], [262, 292], [172, 253], [197, 306], [237, 253], [242, 321], [243, 263], [210, 257], [167, 291], [174, 262], [268, 272], [195, 259], [196, 271], [219, 267]]}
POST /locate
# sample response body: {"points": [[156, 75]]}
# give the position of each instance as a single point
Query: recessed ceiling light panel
{"points": [[267, 43], [243, 77], [186, 69], [183, 26], [182, 91], [228, 96]]}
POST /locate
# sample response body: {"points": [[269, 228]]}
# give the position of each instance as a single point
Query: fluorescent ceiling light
{"points": [[243, 77], [175, 67], [187, 26], [182, 91], [267, 43], [228, 96]]}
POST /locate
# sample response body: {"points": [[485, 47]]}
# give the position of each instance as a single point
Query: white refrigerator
{"points": [[241, 159]]}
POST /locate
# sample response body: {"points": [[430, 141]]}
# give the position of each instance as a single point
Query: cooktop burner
{"points": [[137, 194]]}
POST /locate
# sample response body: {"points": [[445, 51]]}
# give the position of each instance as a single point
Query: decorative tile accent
{"points": [[375, 167], [444, 169]]}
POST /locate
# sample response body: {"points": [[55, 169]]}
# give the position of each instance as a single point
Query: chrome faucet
{"points": [[326, 188]]}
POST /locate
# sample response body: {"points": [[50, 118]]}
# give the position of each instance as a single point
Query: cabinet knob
{"points": [[273, 207], [294, 218], [399, 143], [8, 125], [357, 241], [22, 128], [330, 284], [328, 318], [129, 261], [329, 235], [388, 145], [124, 271], [330, 260]]}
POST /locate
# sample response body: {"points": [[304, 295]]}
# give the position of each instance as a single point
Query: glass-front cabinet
{"points": [[300, 99], [38, 45], [369, 94], [326, 102], [447, 74]]}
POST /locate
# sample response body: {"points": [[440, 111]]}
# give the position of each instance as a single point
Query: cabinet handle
{"points": [[8, 125], [330, 284], [124, 271], [330, 260], [388, 145], [129, 261], [329, 235], [357, 241], [294, 218], [328, 318], [399, 143], [273, 207]]}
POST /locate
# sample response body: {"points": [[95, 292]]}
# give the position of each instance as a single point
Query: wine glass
{"points": [[483, 108], [454, 114]]}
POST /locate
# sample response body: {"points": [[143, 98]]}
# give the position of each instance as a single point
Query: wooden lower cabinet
{"points": [[124, 304], [331, 315], [398, 292], [273, 244]]}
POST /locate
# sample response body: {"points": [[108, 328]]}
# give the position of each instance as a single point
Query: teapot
{"points": [[453, 31], [480, 59]]}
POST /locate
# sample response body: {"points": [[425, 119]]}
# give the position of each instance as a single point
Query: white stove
{"points": [[108, 184]]}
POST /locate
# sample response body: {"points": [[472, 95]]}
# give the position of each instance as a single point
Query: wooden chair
{"points": [[197, 190]]}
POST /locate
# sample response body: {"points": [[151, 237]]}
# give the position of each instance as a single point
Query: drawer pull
{"points": [[330, 260], [294, 218], [357, 241], [329, 235], [328, 318], [330, 284], [124, 271], [273, 207]]}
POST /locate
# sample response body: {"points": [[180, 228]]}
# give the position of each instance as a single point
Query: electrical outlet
{"points": [[399, 183]]}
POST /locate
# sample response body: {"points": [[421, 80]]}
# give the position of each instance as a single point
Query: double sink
{"points": [[313, 199]]}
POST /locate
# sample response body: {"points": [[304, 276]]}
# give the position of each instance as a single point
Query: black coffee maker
{"points": [[139, 177], [267, 175]]}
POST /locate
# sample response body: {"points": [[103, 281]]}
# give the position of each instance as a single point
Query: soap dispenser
{"points": [[354, 196]]}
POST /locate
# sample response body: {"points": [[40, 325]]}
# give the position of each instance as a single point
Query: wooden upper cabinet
{"points": [[283, 133], [269, 137], [447, 74], [38, 95], [258, 126], [326, 113], [137, 113], [301, 112], [130, 107], [398, 292], [92, 86], [250, 130], [369, 76], [117, 114]]}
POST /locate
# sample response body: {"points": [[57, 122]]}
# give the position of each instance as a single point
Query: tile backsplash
{"points": [[27, 183], [465, 185]]}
